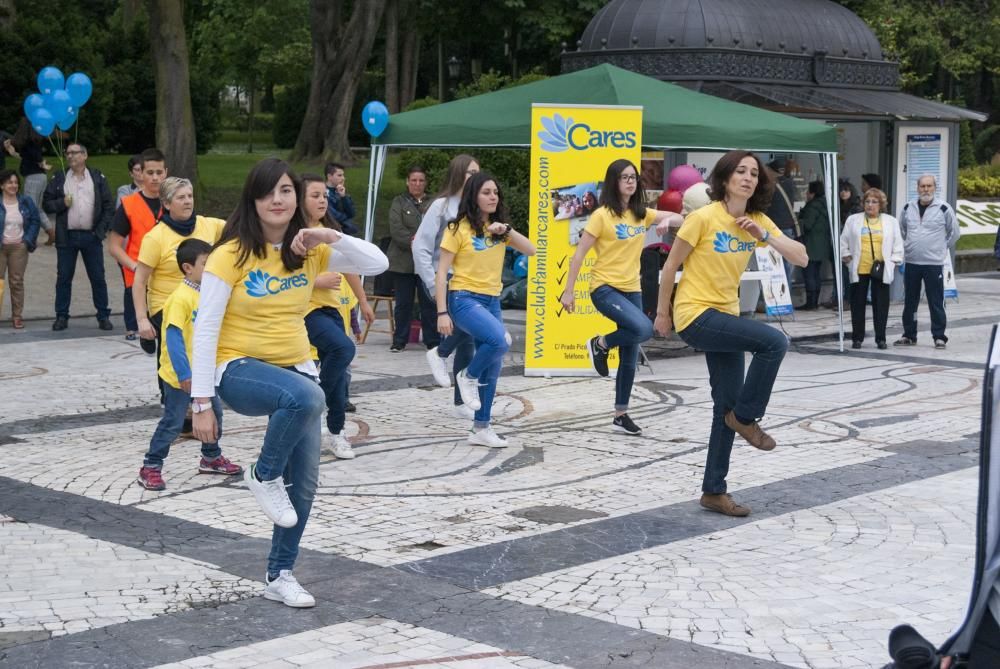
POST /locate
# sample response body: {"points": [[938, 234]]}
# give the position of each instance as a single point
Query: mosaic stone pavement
{"points": [[574, 547]]}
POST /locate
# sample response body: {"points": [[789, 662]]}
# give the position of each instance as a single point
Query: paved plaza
{"points": [[575, 547]]}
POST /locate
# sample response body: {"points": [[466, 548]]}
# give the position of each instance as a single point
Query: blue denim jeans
{"points": [[175, 406], [634, 327], [86, 244], [336, 351], [295, 404], [725, 339], [479, 316], [932, 276]]}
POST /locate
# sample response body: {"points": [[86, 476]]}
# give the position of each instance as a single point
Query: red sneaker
{"points": [[220, 465], [150, 479]]}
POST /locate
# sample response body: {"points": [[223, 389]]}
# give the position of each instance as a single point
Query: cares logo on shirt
{"points": [[727, 243], [626, 231], [262, 284], [483, 243]]}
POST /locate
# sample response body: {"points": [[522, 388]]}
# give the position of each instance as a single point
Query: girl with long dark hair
{"points": [[324, 322], [251, 347], [474, 246], [714, 245], [616, 231]]}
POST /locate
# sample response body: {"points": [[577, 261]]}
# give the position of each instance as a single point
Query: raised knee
{"points": [[308, 399], [645, 330]]}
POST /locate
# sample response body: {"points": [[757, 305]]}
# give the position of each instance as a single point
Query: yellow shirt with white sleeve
{"points": [[719, 256]]}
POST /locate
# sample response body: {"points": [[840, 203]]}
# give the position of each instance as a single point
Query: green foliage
{"points": [[966, 153], [421, 103], [289, 110], [987, 143], [494, 81], [979, 181]]}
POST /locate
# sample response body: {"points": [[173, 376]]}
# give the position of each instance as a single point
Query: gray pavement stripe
{"points": [[345, 589], [518, 559], [894, 357]]}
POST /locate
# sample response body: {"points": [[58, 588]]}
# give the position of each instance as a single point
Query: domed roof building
{"points": [[806, 57]]}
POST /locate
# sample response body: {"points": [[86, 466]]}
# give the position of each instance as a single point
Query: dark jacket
{"points": [[779, 211], [32, 220], [815, 223], [404, 219], [54, 202]]}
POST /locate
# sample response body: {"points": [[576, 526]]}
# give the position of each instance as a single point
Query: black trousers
{"points": [[880, 307], [157, 321], [985, 651], [404, 286]]}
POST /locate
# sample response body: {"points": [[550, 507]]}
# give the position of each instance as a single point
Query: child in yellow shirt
{"points": [[179, 313]]}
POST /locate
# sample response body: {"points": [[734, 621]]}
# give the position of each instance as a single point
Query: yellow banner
{"points": [[571, 148]]}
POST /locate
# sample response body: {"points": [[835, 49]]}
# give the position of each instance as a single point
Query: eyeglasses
{"points": [[628, 178], [74, 153]]}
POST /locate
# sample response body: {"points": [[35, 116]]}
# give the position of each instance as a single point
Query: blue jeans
{"points": [[336, 350], [460, 342], [634, 327], [932, 277], [479, 316], [725, 339], [295, 404], [86, 244], [175, 406]]}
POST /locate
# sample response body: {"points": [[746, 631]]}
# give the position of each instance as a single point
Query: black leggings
{"points": [[880, 307]]}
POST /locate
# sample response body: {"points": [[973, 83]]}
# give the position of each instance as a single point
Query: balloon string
{"points": [[58, 154], [76, 126]]}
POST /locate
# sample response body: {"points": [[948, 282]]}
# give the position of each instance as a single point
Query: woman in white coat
{"points": [[871, 245]]}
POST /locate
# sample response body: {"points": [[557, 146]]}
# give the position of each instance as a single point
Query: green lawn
{"points": [[967, 242], [222, 176]]}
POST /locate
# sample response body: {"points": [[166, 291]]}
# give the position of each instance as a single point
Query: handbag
{"points": [[878, 266]]}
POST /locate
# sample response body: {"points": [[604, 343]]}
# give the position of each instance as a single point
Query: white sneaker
{"points": [[439, 368], [507, 338], [487, 437], [342, 448], [272, 497], [469, 390], [462, 411], [286, 589]]}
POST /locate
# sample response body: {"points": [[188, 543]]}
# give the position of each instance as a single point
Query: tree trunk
{"points": [[174, 120], [8, 13], [340, 53], [410, 60], [131, 9], [392, 73]]}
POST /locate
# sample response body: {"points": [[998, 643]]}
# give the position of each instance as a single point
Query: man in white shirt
{"points": [[81, 201]]}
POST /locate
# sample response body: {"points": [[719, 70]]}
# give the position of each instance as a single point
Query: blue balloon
{"points": [[521, 266], [50, 79], [58, 104], [375, 117], [31, 103], [68, 122], [80, 87], [43, 123]]}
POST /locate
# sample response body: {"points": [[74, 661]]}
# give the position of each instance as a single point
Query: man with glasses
{"points": [[929, 228], [82, 204]]}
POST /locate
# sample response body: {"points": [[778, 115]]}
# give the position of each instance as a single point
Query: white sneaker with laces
{"points": [[469, 390], [507, 337], [342, 448], [439, 368], [462, 411], [487, 437], [286, 589], [272, 497]]}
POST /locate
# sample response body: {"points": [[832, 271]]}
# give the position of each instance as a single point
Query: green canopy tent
{"points": [[673, 118]]}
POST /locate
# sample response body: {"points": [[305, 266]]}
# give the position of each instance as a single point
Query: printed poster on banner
{"points": [[571, 148], [950, 287], [777, 296]]}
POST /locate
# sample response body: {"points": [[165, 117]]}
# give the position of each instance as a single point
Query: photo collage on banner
{"points": [[571, 148]]}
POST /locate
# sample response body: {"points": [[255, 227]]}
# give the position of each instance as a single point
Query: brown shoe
{"points": [[754, 436], [723, 503]]}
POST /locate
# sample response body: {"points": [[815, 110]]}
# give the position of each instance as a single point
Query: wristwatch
{"points": [[198, 407]]}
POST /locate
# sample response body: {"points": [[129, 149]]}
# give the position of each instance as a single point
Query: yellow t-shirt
{"points": [[478, 265], [326, 297], [719, 255], [872, 229], [159, 252], [179, 310], [619, 244], [265, 315]]}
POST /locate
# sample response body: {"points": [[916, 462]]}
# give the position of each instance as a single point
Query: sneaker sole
{"points": [[475, 442], [216, 471], [146, 487], [247, 476], [590, 356], [279, 598], [619, 428]]}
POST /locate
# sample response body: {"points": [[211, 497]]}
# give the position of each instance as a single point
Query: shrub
{"points": [[289, 110], [987, 143]]}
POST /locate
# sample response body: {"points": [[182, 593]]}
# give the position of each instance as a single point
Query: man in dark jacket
{"points": [[782, 210], [405, 215], [81, 201]]}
